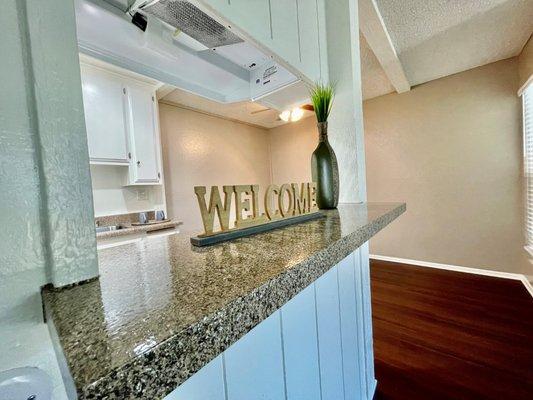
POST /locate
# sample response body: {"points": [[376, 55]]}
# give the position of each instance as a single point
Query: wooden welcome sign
{"points": [[283, 205]]}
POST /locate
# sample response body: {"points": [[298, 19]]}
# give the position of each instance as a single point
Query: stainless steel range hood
{"points": [[188, 18], [185, 48]]}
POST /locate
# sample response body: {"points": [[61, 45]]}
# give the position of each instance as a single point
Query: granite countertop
{"points": [[133, 229], [162, 309]]}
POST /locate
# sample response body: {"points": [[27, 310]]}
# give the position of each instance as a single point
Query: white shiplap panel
{"points": [[329, 338], [361, 342], [254, 364], [351, 332], [206, 384], [300, 347], [367, 320]]}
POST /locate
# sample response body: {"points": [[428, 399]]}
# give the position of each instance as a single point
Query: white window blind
{"points": [[527, 101]]}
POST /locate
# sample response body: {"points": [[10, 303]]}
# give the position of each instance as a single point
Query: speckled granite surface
{"points": [[130, 230], [162, 309]]}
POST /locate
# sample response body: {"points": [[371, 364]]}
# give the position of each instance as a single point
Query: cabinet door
{"points": [[142, 134], [253, 16], [285, 40], [220, 6], [103, 103], [309, 38]]}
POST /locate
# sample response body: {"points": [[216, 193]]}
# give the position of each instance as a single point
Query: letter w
{"points": [[215, 204]]}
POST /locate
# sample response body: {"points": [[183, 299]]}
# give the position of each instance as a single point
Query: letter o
{"points": [[271, 212], [288, 211]]}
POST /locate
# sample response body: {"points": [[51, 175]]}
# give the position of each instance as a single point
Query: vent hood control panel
{"points": [[269, 78], [181, 46]]}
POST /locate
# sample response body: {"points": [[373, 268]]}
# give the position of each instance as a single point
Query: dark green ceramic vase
{"points": [[325, 171]]}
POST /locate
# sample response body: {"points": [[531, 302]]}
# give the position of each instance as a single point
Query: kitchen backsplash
{"points": [[122, 219], [111, 197]]}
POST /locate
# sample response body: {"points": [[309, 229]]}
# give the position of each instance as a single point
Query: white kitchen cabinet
{"points": [[309, 30], [143, 134], [253, 16], [294, 30], [103, 103], [222, 7], [285, 35], [122, 122]]}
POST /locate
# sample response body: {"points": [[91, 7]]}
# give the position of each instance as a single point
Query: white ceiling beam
{"points": [[375, 32]]}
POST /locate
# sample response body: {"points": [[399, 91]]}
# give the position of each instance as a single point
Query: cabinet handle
{"points": [[129, 156], [159, 175], [138, 163]]}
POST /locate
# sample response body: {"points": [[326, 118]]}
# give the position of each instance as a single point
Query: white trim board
{"points": [[469, 270]]}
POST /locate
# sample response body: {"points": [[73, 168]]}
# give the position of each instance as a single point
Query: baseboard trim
{"points": [[469, 270], [373, 391]]}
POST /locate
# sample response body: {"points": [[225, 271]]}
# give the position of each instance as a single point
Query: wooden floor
{"points": [[448, 335]]}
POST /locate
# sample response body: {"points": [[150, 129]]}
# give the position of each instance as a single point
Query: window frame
{"points": [[527, 129]]}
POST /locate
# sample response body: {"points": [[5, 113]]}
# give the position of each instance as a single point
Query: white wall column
{"points": [[65, 179], [346, 120], [46, 210]]}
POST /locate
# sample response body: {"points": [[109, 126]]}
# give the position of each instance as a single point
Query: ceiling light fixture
{"points": [[292, 115], [285, 115], [296, 114]]}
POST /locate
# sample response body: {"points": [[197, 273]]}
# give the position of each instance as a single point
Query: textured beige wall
{"points": [[291, 146], [451, 149], [202, 150], [525, 62]]}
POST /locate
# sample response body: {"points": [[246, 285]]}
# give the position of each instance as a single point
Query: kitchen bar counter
{"points": [[163, 309]]}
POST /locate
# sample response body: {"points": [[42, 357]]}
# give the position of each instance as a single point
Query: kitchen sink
{"points": [[108, 228]]}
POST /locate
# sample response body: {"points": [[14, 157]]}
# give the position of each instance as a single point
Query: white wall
{"points": [[203, 150], [451, 149], [111, 197]]}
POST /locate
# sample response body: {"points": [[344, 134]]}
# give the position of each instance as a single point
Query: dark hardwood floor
{"points": [[448, 335]]}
